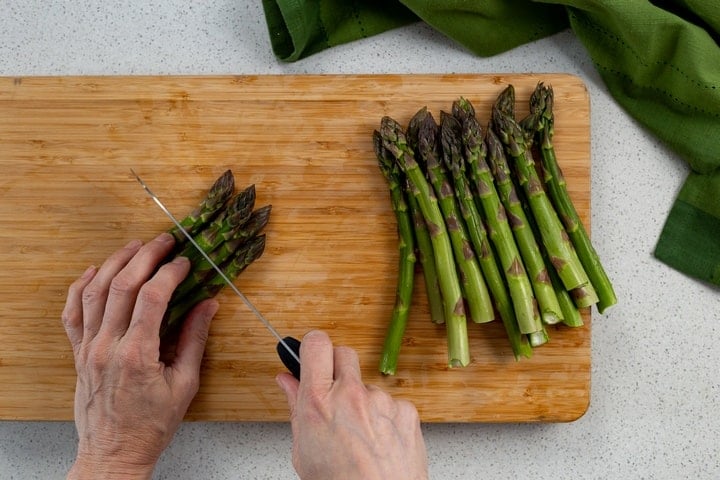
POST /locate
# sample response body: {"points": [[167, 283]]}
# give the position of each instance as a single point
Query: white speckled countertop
{"points": [[654, 403]]}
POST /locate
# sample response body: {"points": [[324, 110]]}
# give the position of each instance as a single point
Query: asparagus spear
{"points": [[211, 205], [550, 310], [202, 269], [225, 226], [394, 140], [571, 315], [524, 303], [427, 259], [426, 130], [505, 102], [458, 132], [423, 243], [406, 262], [425, 249], [541, 105], [561, 252], [244, 256]]}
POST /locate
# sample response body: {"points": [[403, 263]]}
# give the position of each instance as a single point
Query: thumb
{"points": [[192, 340], [289, 385]]}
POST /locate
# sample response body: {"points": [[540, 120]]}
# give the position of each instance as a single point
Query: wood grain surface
{"points": [[68, 201]]}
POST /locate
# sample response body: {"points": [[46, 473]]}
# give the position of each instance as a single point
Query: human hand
{"points": [[345, 429], [128, 403]]}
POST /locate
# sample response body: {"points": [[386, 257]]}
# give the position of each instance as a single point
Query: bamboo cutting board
{"points": [[68, 201]]}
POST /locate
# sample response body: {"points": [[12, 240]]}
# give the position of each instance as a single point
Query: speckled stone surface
{"points": [[655, 387]]}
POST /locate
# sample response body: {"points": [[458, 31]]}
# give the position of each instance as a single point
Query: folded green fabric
{"points": [[299, 28], [660, 60], [689, 240]]}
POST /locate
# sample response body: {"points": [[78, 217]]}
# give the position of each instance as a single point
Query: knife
{"points": [[288, 348]]}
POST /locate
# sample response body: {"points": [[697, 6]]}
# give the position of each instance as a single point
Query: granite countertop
{"points": [[653, 409]]}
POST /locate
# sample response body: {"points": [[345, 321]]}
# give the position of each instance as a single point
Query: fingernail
{"points": [[165, 238], [278, 380], [213, 307], [89, 272], [133, 244], [180, 260]]}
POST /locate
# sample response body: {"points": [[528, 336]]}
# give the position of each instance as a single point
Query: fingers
{"points": [[127, 282], [94, 295], [72, 315], [289, 385], [346, 365], [191, 344], [383, 402], [151, 303], [407, 414], [316, 358]]}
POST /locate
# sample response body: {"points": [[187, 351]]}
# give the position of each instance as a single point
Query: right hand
{"points": [[345, 429]]}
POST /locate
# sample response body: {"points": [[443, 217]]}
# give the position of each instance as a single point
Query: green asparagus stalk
{"points": [[212, 204], [425, 250], [541, 105], [202, 269], [225, 225], [457, 132], [560, 249], [426, 130], [570, 312], [247, 254], [427, 259], [521, 294], [406, 262], [550, 310], [584, 296], [395, 141]]}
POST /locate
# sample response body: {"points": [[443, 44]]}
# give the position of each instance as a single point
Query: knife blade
{"points": [[288, 348]]}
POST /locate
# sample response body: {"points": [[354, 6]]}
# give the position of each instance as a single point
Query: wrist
{"points": [[85, 468]]}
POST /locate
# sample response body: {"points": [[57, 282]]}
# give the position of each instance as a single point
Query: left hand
{"points": [[128, 403]]}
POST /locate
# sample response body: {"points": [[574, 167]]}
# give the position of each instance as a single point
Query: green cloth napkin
{"points": [[660, 60]]}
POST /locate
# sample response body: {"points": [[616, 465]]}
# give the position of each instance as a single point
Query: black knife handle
{"points": [[290, 363]]}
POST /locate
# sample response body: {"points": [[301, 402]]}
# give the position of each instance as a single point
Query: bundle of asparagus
{"points": [[494, 231], [228, 228]]}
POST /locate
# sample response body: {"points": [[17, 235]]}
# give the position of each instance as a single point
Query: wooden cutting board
{"points": [[68, 201]]}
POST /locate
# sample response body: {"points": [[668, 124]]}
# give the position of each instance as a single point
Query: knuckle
{"points": [[91, 294], [316, 405], [75, 288], [121, 286], [408, 411], [190, 385], [152, 294], [356, 391], [97, 359], [200, 335], [71, 317], [348, 354], [129, 358]]}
